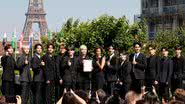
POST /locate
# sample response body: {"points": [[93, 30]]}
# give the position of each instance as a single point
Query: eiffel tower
{"points": [[35, 14]]}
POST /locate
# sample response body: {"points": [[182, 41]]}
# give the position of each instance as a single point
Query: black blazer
{"points": [[23, 68], [111, 70], [124, 72], [70, 72], [178, 68], [9, 65], [81, 75], [139, 69], [153, 67], [38, 69], [60, 66], [166, 69], [49, 67]]}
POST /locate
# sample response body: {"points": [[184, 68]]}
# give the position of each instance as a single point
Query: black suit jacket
{"points": [[23, 68], [178, 68], [153, 67], [140, 67], [38, 72], [111, 70], [60, 66], [166, 69], [49, 67], [81, 75], [124, 72], [9, 65], [70, 72]]}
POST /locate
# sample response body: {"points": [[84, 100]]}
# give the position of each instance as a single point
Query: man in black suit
{"points": [[139, 65], [111, 69], [70, 71], [59, 87], [178, 69], [38, 74], [9, 65], [165, 74], [153, 68], [24, 66], [83, 78], [49, 69]]}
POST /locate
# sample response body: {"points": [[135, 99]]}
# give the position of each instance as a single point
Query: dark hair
{"points": [[98, 48], [69, 98], [50, 44], [178, 47], [36, 45], [111, 46], [164, 48], [151, 98], [137, 43], [152, 46], [82, 94], [7, 47], [125, 53], [71, 48]]}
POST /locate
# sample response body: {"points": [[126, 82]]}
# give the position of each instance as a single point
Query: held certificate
{"points": [[87, 65]]}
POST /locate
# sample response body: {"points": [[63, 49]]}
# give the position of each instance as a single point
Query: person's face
{"points": [[123, 57], [50, 49], [152, 51], [10, 51], [137, 48], [164, 53], [62, 50], [83, 51], [71, 52], [111, 50], [26, 50], [98, 52], [178, 52], [39, 49]]}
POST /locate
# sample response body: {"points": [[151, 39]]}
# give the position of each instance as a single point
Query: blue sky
{"points": [[12, 12]]}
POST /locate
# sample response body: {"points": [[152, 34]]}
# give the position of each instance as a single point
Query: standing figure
{"points": [[139, 65], [59, 86], [38, 74], [70, 70], [111, 69], [24, 66], [178, 69], [83, 78], [98, 77], [9, 65], [153, 68], [49, 70], [165, 74], [124, 73]]}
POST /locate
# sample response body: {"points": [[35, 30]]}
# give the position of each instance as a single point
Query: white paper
{"points": [[87, 65]]}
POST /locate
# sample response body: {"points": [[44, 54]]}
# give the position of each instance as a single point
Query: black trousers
{"points": [[25, 92], [137, 84], [8, 88], [125, 87], [149, 84], [59, 88], [177, 83], [84, 84], [50, 92], [39, 93], [110, 87], [164, 91]]}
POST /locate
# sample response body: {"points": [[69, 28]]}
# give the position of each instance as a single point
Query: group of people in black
{"points": [[51, 74]]}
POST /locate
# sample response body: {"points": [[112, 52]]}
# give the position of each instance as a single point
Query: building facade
{"points": [[163, 15]]}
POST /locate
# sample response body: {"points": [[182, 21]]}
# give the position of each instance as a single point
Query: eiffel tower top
{"points": [[36, 7], [35, 14]]}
